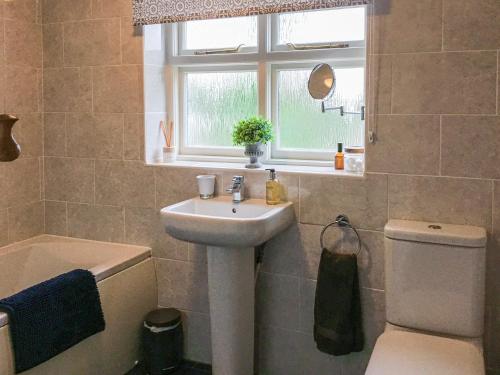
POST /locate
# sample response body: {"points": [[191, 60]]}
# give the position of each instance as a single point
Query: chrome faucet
{"points": [[237, 188]]}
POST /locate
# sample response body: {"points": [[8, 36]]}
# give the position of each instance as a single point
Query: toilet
{"points": [[435, 291]]}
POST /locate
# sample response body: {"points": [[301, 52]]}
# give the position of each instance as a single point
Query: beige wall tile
{"points": [[440, 199], [67, 90], [492, 261], [126, 183], [19, 182], [492, 344], [94, 135], [307, 299], [133, 137], [315, 362], [498, 82], [470, 146], [277, 300], [380, 84], [311, 249], [493, 253], [373, 309], [168, 247], [65, 10], [447, 83], [278, 351], [4, 227], [283, 253], [26, 221], [471, 24], [182, 284], [109, 135], [197, 337], [2, 82], [21, 10], [56, 220], [28, 132], [111, 8], [118, 89], [2, 40], [141, 226], [21, 84], [54, 134], [53, 45], [131, 42], [100, 223], [197, 253], [68, 179], [95, 42], [364, 200], [408, 26], [23, 43], [177, 184], [405, 144]]}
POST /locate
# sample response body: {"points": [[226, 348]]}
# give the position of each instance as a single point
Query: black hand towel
{"points": [[51, 317], [337, 310]]}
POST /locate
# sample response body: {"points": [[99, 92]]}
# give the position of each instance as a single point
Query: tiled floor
{"points": [[188, 368]]}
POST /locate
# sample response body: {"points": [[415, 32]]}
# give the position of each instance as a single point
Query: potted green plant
{"points": [[253, 133]]}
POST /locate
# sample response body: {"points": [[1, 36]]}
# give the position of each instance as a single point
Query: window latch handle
{"points": [[219, 51], [306, 47]]}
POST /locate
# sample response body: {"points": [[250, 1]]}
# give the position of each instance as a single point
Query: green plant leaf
{"points": [[252, 130]]}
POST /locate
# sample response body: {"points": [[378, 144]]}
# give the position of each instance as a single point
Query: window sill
{"points": [[283, 168]]}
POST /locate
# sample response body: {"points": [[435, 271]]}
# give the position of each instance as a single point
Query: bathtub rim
{"points": [[101, 271]]}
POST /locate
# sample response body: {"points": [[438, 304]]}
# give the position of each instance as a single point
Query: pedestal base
{"points": [[232, 299]]}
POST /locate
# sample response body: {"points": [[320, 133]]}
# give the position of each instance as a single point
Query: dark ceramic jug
{"points": [[9, 149]]}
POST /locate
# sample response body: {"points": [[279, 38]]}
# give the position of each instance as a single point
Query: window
{"points": [[228, 69]]}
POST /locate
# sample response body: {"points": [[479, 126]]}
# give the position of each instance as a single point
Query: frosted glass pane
{"points": [[215, 102], [302, 125], [322, 26], [221, 33]]}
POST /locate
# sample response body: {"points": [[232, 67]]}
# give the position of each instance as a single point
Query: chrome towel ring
{"points": [[342, 221]]}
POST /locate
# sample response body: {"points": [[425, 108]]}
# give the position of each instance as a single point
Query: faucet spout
{"points": [[237, 189]]}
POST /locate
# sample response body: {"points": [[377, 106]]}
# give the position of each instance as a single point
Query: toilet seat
{"points": [[411, 353]]}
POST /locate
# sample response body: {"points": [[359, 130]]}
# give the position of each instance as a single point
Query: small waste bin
{"points": [[162, 341]]}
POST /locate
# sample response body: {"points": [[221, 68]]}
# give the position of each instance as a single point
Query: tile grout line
{"points": [[440, 172], [498, 83], [442, 24], [67, 218]]}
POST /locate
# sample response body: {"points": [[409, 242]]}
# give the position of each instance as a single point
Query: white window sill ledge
{"points": [[284, 168]]}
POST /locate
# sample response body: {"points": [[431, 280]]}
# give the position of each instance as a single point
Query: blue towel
{"points": [[53, 316]]}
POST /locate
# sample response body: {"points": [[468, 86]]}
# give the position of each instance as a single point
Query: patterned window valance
{"points": [[147, 12]]}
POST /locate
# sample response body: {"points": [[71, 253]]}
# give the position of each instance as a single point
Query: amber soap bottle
{"points": [[339, 157]]}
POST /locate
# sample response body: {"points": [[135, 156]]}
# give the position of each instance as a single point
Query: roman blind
{"points": [[147, 12]]}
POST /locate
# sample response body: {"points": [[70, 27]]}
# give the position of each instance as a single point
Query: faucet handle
{"points": [[238, 179]]}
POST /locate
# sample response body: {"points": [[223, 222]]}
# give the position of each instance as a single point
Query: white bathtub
{"points": [[127, 285]]}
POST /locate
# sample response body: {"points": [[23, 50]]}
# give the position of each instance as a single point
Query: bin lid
{"points": [[163, 317]]}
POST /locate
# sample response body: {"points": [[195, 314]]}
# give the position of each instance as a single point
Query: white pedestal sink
{"points": [[230, 231]]}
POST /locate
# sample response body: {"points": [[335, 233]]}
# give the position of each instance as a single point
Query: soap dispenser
{"points": [[273, 188]]}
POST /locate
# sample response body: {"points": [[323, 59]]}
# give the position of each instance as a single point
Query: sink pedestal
{"points": [[231, 284]]}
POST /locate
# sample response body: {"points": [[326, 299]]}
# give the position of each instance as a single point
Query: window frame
{"points": [[186, 149], [266, 59]]}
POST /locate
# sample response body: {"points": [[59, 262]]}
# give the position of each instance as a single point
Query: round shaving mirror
{"points": [[322, 81]]}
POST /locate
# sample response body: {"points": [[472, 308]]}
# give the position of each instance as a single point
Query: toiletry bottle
{"points": [[273, 188], [339, 158]]}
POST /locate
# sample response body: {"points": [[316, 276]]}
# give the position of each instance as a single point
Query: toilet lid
{"points": [[411, 353]]}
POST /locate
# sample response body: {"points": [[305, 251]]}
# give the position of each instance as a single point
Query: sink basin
{"points": [[220, 222], [230, 231]]}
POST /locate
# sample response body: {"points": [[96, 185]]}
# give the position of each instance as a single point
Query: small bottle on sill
{"points": [[339, 157]]}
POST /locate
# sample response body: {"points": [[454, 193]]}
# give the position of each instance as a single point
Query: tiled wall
{"points": [[21, 203], [435, 70]]}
